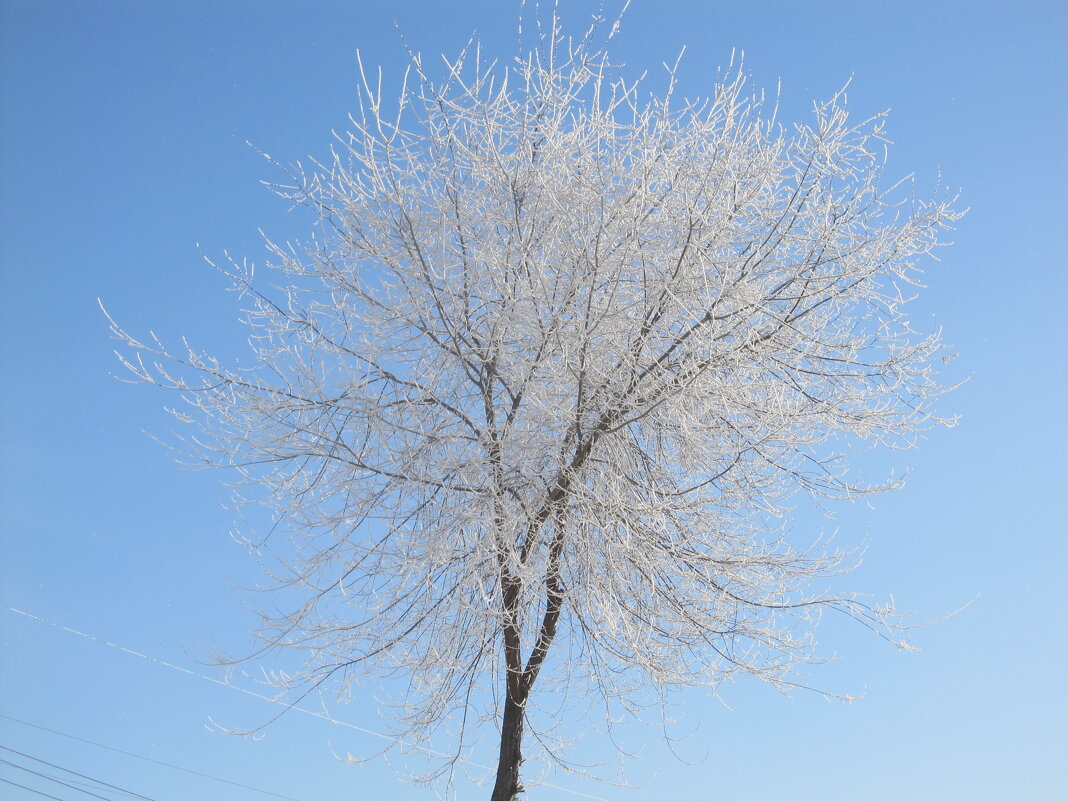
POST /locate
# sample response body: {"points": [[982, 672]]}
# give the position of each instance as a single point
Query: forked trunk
{"points": [[506, 788]]}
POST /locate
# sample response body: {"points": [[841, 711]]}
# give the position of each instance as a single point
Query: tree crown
{"points": [[551, 370]]}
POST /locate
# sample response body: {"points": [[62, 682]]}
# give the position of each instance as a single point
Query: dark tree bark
{"points": [[521, 679], [506, 788]]}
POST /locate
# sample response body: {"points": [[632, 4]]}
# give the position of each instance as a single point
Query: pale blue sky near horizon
{"points": [[123, 129]]}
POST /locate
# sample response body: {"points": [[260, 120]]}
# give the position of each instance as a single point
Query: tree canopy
{"points": [[532, 404]]}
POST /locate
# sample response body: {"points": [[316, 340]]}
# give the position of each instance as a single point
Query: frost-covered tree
{"points": [[532, 403]]}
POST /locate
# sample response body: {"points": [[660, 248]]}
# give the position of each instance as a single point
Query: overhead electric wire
{"points": [[78, 783], [54, 779], [148, 759], [81, 775], [269, 700], [30, 789], [246, 691]]}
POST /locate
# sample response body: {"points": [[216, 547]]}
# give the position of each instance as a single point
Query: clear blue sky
{"points": [[123, 145]]}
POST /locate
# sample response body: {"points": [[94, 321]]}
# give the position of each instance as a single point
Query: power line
{"points": [[54, 779], [30, 789], [270, 700], [147, 759], [76, 773], [244, 690]]}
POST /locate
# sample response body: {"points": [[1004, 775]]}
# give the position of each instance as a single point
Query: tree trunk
{"points": [[506, 787]]}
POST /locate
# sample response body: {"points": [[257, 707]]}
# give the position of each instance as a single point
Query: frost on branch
{"points": [[533, 401]]}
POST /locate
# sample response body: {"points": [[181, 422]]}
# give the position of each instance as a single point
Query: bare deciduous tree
{"points": [[532, 403]]}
